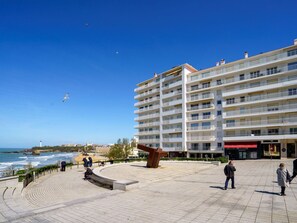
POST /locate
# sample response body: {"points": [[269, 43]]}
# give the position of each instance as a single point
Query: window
{"points": [[255, 74], [206, 95], [194, 126], [194, 87], [256, 132], [293, 130], [206, 115], [230, 101], [272, 70], [255, 84], [241, 77], [292, 52], [219, 102], [230, 123], [206, 85], [219, 113], [292, 91], [194, 146], [195, 116], [219, 145], [242, 99], [206, 146], [194, 107], [219, 82], [206, 125], [272, 131], [292, 66]]}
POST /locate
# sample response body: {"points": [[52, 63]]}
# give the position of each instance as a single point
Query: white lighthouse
{"points": [[40, 143]]}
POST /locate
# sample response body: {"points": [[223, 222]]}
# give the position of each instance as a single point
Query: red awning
{"points": [[234, 145]]}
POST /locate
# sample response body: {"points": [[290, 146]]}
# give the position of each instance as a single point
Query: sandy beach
{"points": [[96, 158]]}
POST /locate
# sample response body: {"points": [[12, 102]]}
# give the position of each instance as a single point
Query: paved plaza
{"points": [[175, 192]]}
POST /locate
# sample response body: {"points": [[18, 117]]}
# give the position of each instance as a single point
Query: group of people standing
{"points": [[284, 177], [88, 162]]}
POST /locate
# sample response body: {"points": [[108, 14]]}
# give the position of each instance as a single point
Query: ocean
{"points": [[16, 161]]}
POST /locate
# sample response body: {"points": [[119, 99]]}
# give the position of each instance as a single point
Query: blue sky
{"points": [[48, 48]]}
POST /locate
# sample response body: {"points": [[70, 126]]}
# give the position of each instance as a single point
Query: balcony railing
{"points": [[172, 130], [200, 118], [281, 122], [147, 85], [176, 148], [147, 93], [211, 106], [172, 139], [211, 148], [175, 84], [147, 101], [286, 80], [260, 97], [171, 121], [201, 128], [238, 67], [148, 140], [174, 102], [280, 133], [260, 110], [201, 138], [147, 109], [168, 95], [155, 132], [147, 124], [171, 112], [201, 97], [157, 115]]}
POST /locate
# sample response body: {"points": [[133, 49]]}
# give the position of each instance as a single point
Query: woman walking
{"points": [[283, 178]]}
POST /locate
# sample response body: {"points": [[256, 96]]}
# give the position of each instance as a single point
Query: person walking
{"points": [[229, 172], [294, 170], [283, 178], [90, 162]]}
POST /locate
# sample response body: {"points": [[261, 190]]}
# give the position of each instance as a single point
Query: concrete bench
{"points": [[112, 183]]}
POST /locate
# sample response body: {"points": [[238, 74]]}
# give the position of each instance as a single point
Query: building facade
{"points": [[246, 109]]}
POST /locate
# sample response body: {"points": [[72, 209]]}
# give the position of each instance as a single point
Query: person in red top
{"points": [[229, 172]]}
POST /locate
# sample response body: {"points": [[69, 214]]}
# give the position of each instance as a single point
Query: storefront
{"points": [[242, 150], [271, 149]]}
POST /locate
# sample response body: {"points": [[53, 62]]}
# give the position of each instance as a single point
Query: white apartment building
{"points": [[246, 109]]}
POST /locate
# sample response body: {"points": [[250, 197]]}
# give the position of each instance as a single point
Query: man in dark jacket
{"points": [[229, 172], [294, 170]]}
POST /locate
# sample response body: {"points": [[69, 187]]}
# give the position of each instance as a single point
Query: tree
{"points": [[121, 150]]}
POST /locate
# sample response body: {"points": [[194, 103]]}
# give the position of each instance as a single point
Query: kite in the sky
{"points": [[66, 97]]}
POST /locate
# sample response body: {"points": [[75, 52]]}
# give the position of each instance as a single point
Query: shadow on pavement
{"points": [[266, 192], [217, 187]]}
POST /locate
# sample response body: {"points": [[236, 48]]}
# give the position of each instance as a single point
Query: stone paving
{"points": [[176, 192]]}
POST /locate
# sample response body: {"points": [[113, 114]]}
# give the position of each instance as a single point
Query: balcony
{"points": [[200, 118], [260, 99], [150, 124], [248, 64], [168, 95], [172, 121], [262, 136], [143, 117], [201, 128], [147, 101], [201, 97], [175, 84], [145, 94], [170, 149], [200, 108], [248, 88], [261, 111], [172, 112], [261, 123], [203, 149], [148, 141], [174, 102], [201, 138], [172, 130], [155, 132], [172, 139], [151, 84], [151, 108]]}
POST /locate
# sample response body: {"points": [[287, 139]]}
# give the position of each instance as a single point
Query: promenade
{"points": [[176, 192]]}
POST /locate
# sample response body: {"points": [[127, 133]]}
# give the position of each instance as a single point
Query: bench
{"points": [[112, 183]]}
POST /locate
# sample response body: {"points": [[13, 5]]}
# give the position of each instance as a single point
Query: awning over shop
{"points": [[240, 145]]}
